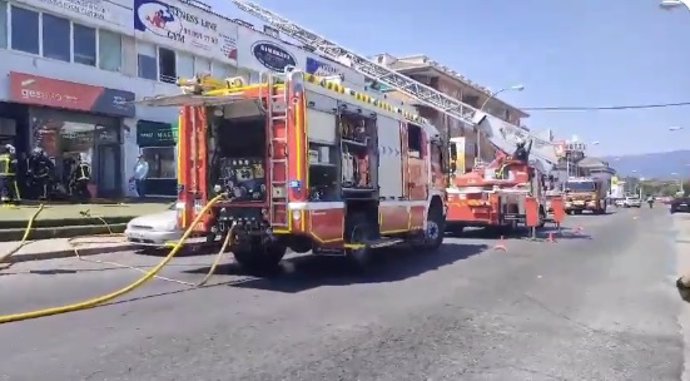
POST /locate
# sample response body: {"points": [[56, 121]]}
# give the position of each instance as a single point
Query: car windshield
{"points": [[580, 186]]}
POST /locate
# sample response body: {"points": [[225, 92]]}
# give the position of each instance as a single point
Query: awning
{"points": [[190, 100]]}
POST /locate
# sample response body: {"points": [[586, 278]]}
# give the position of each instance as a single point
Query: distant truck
{"points": [[585, 193]]}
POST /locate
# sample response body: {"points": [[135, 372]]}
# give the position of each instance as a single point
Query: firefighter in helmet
{"points": [[80, 179], [9, 191], [521, 152], [40, 170]]}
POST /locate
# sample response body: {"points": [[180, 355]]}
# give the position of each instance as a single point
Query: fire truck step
{"points": [[384, 242]]}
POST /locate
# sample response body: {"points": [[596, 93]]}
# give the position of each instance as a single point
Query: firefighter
{"points": [[80, 179], [521, 152], [9, 191], [40, 170]]}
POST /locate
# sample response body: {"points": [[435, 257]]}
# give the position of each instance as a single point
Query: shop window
{"points": [[84, 45], [162, 162], [146, 61], [167, 68], [3, 24], [414, 140], [109, 50], [185, 65], [25, 30], [56, 38], [202, 65]]}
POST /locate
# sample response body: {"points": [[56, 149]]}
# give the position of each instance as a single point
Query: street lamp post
{"points": [[486, 101], [670, 4]]}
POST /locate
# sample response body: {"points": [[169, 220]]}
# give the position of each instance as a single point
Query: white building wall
{"points": [[215, 45]]}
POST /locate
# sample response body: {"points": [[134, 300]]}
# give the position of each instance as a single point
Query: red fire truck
{"points": [[307, 164], [497, 196]]}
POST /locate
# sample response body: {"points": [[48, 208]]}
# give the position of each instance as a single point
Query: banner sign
{"points": [[42, 91], [187, 28]]}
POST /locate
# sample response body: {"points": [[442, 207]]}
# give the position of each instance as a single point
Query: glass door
{"points": [[108, 174]]}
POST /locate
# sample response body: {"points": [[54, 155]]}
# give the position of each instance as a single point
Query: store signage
{"points": [[42, 91], [273, 56], [185, 27], [321, 68], [115, 15], [155, 134]]}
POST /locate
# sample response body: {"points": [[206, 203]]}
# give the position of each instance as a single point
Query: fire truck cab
{"points": [[307, 164]]}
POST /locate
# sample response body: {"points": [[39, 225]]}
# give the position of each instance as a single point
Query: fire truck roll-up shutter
{"points": [[190, 100]]}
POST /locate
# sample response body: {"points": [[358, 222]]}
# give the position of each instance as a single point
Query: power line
{"points": [[624, 107]]}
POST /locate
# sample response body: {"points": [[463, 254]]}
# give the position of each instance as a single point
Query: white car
{"points": [[154, 230], [632, 202]]}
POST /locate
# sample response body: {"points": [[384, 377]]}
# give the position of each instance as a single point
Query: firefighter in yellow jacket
{"points": [[9, 191], [80, 179]]}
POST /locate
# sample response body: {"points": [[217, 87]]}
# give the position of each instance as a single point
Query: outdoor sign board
{"points": [[43, 91], [185, 27], [261, 52]]}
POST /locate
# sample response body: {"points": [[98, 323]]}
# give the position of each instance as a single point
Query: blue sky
{"points": [[566, 53]]}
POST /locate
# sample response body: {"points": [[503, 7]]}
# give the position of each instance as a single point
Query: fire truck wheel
{"points": [[260, 258], [435, 227], [542, 218], [360, 232]]}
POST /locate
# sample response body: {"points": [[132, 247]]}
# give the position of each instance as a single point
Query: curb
{"points": [[68, 253]]}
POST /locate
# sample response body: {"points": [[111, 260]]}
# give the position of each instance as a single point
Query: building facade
{"points": [[422, 69], [75, 67]]}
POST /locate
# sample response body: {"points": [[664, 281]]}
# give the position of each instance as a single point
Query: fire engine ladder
{"points": [[423, 94], [277, 113]]}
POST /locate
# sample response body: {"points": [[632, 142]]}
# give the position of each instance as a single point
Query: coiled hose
{"points": [[93, 302]]}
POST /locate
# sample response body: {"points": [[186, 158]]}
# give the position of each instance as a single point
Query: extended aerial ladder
{"points": [[503, 135]]}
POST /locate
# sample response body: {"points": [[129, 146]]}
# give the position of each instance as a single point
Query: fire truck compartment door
{"points": [[189, 100], [390, 157]]}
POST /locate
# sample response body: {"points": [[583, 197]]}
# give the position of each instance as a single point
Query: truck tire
{"points": [[542, 218], [360, 231], [435, 227], [260, 258]]}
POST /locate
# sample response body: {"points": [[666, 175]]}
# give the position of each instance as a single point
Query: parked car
{"points": [[632, 202], [680, 204], [154, 230]]}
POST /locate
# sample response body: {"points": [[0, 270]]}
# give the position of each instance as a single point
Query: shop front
{"points": [[157, 142], [72, 122]]}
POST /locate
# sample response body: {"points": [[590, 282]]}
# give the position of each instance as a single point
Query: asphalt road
{"points": [[599, 304]]}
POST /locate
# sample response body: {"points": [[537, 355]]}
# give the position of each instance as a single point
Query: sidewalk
{"points": [[61, 247], [10, 214], [70, 220]]}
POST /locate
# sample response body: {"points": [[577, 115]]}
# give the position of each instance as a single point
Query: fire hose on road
{"points": [[93, 302], [25, 238]]}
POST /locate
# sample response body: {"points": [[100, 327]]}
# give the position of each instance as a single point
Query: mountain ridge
{"points": [[658, 165]]}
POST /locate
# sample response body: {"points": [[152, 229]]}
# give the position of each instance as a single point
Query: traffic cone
{"points": [[501, 246]]}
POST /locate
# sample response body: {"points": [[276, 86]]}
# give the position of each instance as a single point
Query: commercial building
{"points": [[74, 67], [427, 71]]}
